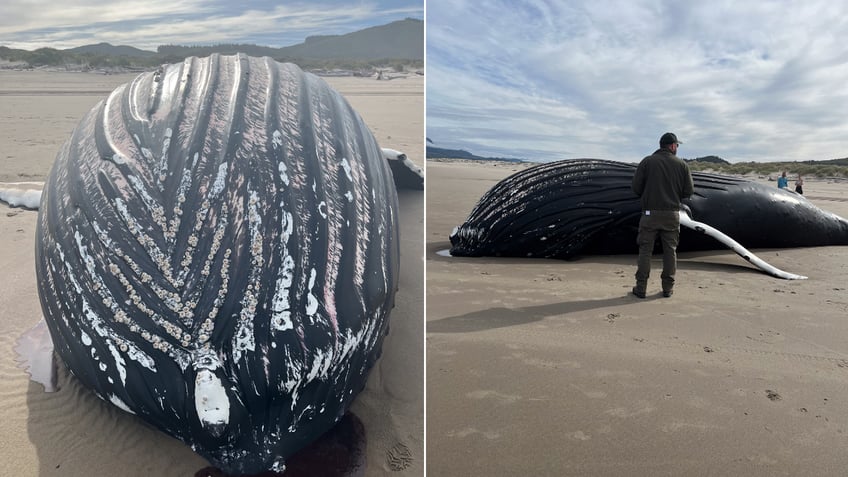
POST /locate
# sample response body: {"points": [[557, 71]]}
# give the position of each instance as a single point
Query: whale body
{"points": [[583, 207], [217, 253]]}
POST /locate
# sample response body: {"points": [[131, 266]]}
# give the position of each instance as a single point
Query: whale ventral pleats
{"points": [[217, 253]]}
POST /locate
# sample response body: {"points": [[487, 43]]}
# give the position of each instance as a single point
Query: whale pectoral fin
{"points": [[406, 174], [703, 228], [20, 197]]}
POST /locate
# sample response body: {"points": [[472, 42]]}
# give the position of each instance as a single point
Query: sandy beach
{"points": [[73, 433], [546, 367]]}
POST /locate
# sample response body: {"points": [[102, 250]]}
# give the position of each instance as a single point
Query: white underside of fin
{"points": [[687, 222]]}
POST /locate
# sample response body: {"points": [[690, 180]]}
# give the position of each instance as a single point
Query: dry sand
{"points": [[72, 432], [546, 367]]}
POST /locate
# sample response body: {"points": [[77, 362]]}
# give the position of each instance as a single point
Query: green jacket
{"points": [[662, 180]]}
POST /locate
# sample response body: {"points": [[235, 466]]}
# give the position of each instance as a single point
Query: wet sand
{"points": [[71, 432], [547, 367]]}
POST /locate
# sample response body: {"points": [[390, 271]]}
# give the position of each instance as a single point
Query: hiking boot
{"points": [[638, 293], [668, 293]]}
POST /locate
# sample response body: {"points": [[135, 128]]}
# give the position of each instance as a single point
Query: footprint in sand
{"points": [[399, 457], [489, 394]]}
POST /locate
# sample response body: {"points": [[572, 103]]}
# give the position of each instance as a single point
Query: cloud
{"points": [[36, 16], [150, 23], [751, 81]]}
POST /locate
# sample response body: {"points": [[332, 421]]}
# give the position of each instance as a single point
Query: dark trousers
{"points": [[666, 224]]}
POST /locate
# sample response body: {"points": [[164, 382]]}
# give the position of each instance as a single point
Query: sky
{"points": [[146, 24], [543, 80]]}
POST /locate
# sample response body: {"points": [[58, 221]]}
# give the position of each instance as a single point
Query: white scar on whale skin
{"points": [[210, 399], [121, 404], [687, 222]]}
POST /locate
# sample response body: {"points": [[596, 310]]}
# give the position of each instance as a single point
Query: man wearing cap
{"points": [[661, 181]]}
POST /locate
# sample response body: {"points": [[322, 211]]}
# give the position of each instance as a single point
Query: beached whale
{"points": [[217, 253], [582, 207]]}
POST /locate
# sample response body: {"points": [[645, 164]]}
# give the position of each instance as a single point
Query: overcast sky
{"points": [[547, 80], [146, 24]]}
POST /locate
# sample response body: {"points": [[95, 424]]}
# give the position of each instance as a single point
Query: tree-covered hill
{"points": [[397, 45]]}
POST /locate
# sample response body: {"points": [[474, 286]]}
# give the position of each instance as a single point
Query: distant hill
{"points": [[397, 45], [709, 159], [400, 40], [110, 50], [830, 162], [179, 51], [821, 168], [442, 153]]}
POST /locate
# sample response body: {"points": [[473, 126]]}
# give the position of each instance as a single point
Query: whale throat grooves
{"points": [[217, 253]]}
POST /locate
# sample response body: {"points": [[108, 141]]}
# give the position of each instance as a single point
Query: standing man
{"points": [[661, 181]]}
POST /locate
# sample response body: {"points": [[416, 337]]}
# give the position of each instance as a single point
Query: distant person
{"points": [[661, 181], [782, 181], [799, 185]]}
